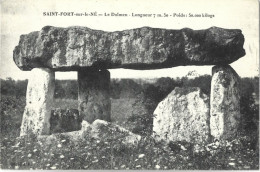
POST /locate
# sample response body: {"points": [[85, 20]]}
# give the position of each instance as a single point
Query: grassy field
{"points": [[28, 153], [98, 154]]}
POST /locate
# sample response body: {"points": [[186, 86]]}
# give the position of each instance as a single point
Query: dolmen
{"points": [[92, 52]]}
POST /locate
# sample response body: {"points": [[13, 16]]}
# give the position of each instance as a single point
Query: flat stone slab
{"points": [[68, 49]]}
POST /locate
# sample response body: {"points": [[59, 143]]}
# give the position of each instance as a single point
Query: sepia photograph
{"points": [[129, 85]]}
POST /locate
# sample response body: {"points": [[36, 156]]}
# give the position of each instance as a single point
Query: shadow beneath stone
{"points": [[65, 120]]}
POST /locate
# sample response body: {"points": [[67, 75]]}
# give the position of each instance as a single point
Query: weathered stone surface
{"points": [[183, 116], [39, 98], [65, 120], [224, 102], [94, 95], [100, 130], [141, 48]]}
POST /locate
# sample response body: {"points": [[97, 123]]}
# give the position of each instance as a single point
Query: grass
{"points": [[121, 110], [29, 153], [65, 103]]}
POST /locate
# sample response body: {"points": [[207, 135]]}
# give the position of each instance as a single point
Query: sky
{"points": [[23, 17]]}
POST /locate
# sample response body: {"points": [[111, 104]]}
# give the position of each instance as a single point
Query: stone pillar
{"points": [[39, 99], [94, 95], [224, 102]]}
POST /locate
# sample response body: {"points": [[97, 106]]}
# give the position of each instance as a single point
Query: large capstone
{"points": [[39, 99], [224, 102], [142, 48], [94, 95], [183, 116]]}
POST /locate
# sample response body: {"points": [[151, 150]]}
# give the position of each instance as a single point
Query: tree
{"points": [[203, 82], [248, 107]]}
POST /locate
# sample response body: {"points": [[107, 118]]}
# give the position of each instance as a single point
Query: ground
{"points": [[28, 153]]}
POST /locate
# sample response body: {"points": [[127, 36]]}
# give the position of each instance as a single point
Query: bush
{"points": [[249, 106], [203, 82], [11, 114], [142, 115], [13, 88], [146, 102]]}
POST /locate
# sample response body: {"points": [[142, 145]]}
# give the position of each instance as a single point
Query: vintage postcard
{"points": [[129, 85]]}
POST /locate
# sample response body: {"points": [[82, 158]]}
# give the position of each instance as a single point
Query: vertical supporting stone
{"points": [[224, 102], [39, 98], [94, 95]]}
